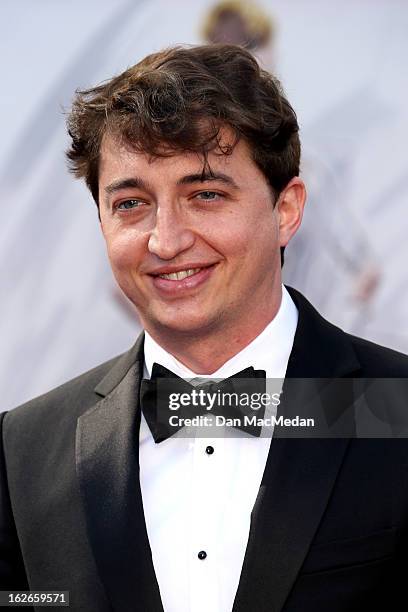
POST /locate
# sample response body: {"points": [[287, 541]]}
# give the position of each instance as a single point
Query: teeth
{"points": [[180, 275]]}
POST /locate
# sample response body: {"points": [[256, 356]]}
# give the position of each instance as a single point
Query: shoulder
{"points": [[323, 350], [68, 400], [377, 395], [46, 426], [71, 399], [379, 361]]}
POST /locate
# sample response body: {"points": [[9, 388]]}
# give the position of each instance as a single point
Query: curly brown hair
{"points": [[178, 100]]}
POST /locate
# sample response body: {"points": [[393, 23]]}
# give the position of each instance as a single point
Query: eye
{"points": [[129, 204], [208, 196]]}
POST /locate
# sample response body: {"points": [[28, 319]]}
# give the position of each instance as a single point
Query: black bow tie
{"points": [[157, 399]]}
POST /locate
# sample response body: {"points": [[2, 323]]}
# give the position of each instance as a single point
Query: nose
{"points": [[170, 235]]}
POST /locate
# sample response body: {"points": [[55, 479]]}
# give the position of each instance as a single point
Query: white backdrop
{"points": [[343, 67]]}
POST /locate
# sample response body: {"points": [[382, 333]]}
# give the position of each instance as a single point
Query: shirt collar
{"points": [[269, 351]]}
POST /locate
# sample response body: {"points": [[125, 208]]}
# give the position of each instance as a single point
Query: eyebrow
{"points": [[134, 182], [203, 177], [137, 182]]}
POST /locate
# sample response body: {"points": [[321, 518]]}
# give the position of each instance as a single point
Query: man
{"points": [[192, 157]]}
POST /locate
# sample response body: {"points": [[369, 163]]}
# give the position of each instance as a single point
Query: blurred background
{"points": [[342, 65]]}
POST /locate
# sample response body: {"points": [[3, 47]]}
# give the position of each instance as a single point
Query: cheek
{"points": [[125, 251], [229, 234], [250, 236], [255, 248]]}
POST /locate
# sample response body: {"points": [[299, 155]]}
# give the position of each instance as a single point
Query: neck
{"points": [[206, 352]]}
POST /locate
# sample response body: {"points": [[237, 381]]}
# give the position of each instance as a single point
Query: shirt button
{"points": [[202, 555], [209, 450]]}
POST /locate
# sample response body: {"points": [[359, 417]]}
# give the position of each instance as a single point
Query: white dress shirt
{"points": [[199, 502]]}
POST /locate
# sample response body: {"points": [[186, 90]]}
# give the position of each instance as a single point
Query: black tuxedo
{"points": [[328, 530]]}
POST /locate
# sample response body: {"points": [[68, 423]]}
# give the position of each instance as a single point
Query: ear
{"points": [[289, 206]]}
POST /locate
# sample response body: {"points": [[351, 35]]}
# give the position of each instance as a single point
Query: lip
{"points": [[186, 266], [177, 287]]}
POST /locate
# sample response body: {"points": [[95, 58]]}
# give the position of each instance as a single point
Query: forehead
{"points": [[118, 159]]}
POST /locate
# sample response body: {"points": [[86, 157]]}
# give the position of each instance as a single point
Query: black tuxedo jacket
{"points": [[328, 529]]}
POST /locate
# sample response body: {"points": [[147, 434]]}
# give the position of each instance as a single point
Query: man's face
{"points": [[194, 256]]}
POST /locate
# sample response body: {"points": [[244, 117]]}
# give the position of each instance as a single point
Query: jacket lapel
{"points": [[299, 474], [107, 457]]}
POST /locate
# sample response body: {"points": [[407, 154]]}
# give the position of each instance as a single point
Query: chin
{"points": [[191, 323]]}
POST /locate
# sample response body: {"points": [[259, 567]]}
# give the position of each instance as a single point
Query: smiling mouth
{"points": [[181, 275], [175, 283]]}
